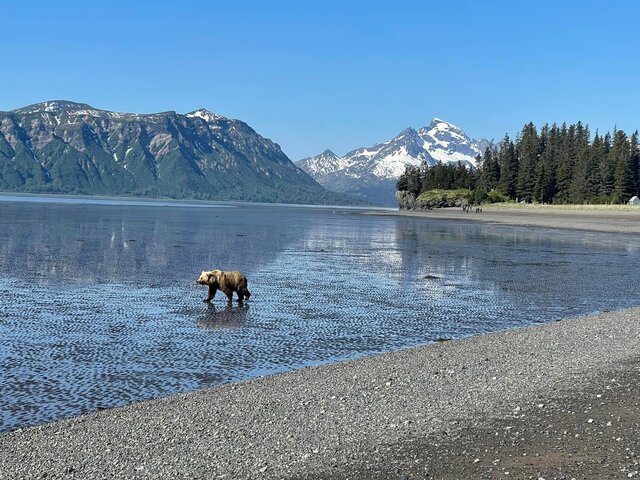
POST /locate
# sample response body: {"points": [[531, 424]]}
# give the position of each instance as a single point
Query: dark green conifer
{"points": [[635, 163], [490, 170], [620, 154], [508, 162], [528, 149], [545, 176], [566, 163], [579, 187]]}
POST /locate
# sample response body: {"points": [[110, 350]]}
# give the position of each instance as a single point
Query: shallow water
{"points": [[99, 306]]}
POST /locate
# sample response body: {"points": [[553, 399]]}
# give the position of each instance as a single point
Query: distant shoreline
{"points": [[601, 220], [66, 198], [101, 200]]}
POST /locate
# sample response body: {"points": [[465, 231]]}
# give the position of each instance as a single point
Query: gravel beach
{"points": [[552, 401]]}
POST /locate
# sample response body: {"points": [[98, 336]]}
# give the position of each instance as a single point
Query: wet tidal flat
{"points": [[99, 305]]}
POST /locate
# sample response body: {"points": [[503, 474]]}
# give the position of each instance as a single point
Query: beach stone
{"points": [[233, 431]]}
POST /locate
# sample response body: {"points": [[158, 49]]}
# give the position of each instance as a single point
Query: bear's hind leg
{"points": [[229, 294]]}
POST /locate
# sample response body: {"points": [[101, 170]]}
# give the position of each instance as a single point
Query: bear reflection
{"points": [[229, 316]]}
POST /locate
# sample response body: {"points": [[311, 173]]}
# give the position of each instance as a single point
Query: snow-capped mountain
{"points": [[372, 172], [447, 143], [325, 163]]}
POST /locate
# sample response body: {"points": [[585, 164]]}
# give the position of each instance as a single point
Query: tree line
{"points": [[557, 164]]}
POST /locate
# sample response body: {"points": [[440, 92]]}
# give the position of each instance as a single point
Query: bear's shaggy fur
{"points": [[228, 282]]}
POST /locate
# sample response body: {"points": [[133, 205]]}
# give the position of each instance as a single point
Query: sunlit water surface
{"points": [[99, 305]]}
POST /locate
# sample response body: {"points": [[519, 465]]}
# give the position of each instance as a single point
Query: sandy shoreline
{"points": [[598, 221], [359, 419]]}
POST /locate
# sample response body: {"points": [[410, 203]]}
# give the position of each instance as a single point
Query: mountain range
{"points": [[69, 147], [372, 172]]}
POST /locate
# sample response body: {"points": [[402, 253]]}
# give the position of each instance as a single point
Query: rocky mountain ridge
{"points": [[371, 172], [69, 147]]}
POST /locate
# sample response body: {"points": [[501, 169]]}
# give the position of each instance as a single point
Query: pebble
{"points": [[269, 423]]}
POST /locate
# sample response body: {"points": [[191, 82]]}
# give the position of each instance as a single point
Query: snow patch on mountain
{"points": [[53, 106], [57, 108], [326, 162], [376, 168], [447, 143], [205, 115], [393, 165]]}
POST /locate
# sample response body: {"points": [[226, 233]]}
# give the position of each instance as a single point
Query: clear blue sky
{"points": [[332, 74]]}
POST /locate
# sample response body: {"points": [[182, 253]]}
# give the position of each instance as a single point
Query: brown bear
{"points": [[228, 282]]}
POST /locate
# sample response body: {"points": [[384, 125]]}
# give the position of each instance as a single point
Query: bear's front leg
{"points": [[212, 293]]}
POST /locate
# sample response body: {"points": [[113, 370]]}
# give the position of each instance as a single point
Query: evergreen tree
{"points": [[449, 177], [508, 167], [597, 162], [410, 180], [606, 170], [635, 163], [624, 186], [566, 163], [528, 149], [579, 188], [490, 170], [545, 176]]}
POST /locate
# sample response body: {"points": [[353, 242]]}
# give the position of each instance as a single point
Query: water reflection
{"points": [[53, 244], [228, 316], [99, 306]]}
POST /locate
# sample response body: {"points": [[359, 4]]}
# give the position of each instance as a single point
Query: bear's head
{"points": [[209, 278], [203, 279]]}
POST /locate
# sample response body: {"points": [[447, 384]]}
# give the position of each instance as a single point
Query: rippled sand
{"points": [[597, 221], [458, 409]]}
